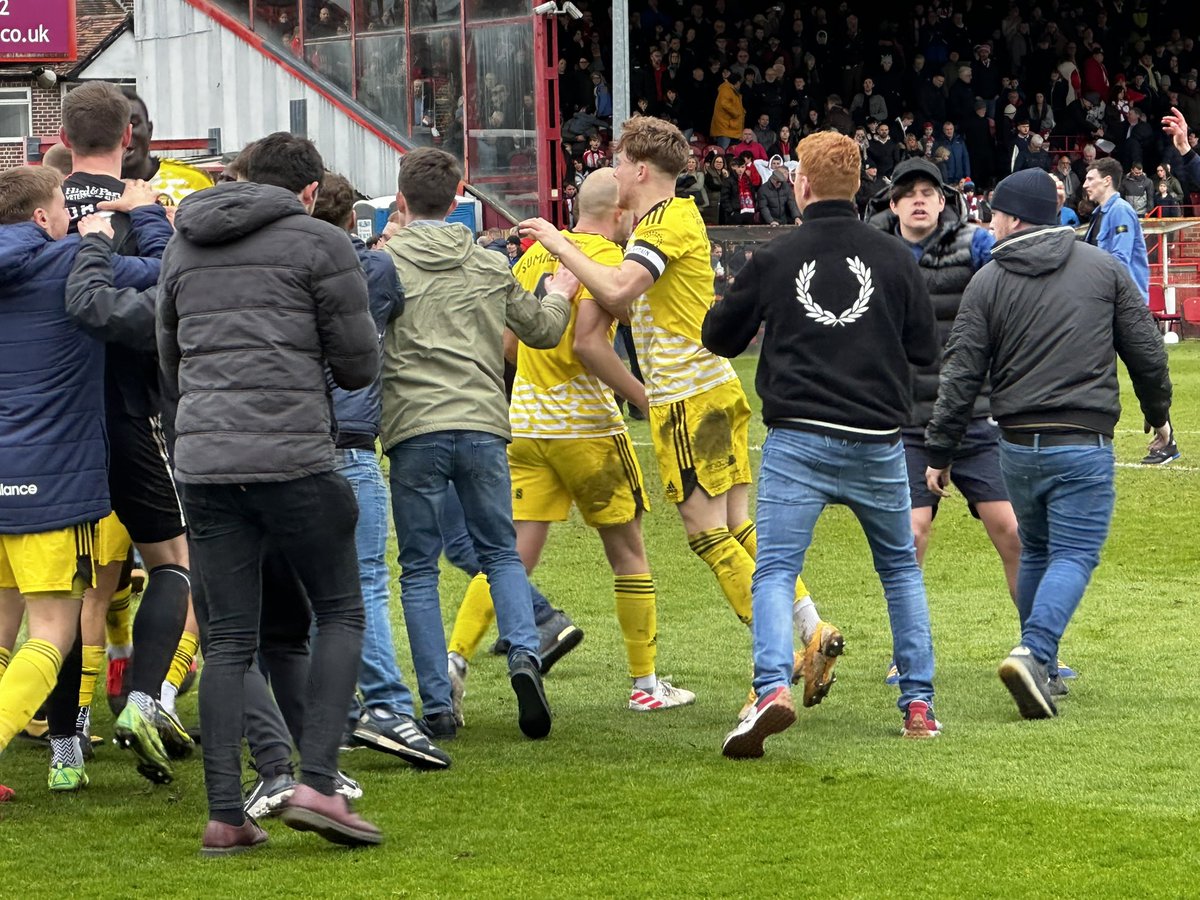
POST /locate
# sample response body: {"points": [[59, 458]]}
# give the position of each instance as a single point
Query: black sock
{"points": [[62, 706], [156, 628]]}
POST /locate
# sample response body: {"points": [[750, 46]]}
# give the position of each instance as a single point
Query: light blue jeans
{"points": [[379, 679], [1063, 498], [422, 470], [801, 474]]}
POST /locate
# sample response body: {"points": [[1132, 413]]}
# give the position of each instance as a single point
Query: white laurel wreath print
{"points": [[814, 310]]}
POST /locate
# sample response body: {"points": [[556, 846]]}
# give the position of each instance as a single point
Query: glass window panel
{"points": [[14, 119], [276, 20], [381, 82], [327, 40], [379, 15], [434, 12], [483, 10], [436, 97], [501, 114]]}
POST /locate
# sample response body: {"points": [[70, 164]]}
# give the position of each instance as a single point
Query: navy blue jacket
{"points": [[53, 445], [358, 412]]}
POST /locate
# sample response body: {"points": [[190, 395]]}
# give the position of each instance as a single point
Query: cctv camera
{"points": [[548, 8], [572, 10], [45, 78]]}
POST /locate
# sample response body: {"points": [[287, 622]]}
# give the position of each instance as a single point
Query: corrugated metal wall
{"points": [[195, 75]]}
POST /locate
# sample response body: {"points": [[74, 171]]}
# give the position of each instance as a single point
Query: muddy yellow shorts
{"points": [[703, 440], [112, 541], [600, 475], [51, 562]]}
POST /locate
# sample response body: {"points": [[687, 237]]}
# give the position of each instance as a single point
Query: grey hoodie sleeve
{"points": [[117, 315], [1137, 341], [965, 364], [166, 328], [349, 338], [539, 323]]}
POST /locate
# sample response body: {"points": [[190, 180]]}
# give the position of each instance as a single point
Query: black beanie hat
{"points": [[1030, 195]]}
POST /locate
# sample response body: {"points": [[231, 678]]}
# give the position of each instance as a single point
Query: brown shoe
{"points": [[221, 839], [330, 817]]}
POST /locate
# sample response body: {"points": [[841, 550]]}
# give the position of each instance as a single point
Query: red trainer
{"points": [[770, 715], [6, 793], [114, 685], [919, 722]]}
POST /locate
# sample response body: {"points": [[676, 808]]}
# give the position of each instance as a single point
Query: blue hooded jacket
{"points": [[359, 412], [53, 445]]}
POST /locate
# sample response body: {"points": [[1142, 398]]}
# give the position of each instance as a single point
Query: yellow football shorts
{"points": [[600, 475], [703, 440], [112, 541], [52, 562]]}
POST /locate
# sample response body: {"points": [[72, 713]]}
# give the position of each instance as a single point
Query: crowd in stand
{"points": [[979, 91]]}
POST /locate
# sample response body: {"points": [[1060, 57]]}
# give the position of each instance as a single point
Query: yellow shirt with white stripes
{"points": [[553, 395], [671, 242]]}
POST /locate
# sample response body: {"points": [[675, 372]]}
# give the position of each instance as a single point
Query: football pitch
{"points": [[1100, 802]]}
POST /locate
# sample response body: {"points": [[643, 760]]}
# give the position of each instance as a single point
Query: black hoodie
{"points": [[846, 313]]}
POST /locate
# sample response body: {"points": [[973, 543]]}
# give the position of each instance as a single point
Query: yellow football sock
{"points": [[118, 622], [29, 680], [93, 658], [732, 565], [638, 617], [181, 663], [475, 617], [5, 656], [747, 535]]}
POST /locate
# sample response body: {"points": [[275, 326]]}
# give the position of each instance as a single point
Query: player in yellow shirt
{"points": [[570, 446], [699, 417]]}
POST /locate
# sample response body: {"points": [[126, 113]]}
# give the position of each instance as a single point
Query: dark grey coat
{"points": [[256, 297]]}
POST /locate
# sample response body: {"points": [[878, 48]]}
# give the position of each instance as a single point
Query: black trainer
{"points": [[1161, 457], [398, 734], [557, 637], [533, 711], [268, 796], [1026, 680], [439, 726]]}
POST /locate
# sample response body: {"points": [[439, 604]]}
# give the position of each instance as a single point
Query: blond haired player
{"points": [[570, 446], [699, 417]]}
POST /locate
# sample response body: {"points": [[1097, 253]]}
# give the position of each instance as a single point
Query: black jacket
{"points": [[777, 203], [846, 313], [256, 297], [1047, 319]]}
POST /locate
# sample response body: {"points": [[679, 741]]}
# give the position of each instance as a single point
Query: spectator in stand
{"points": [[739, 198], [771, 96], [763, 132], [868, 104], [1066, 215], [691, 183], [1070, 181], [836, 116], [1041, 116], [1162, 175], [1135, 141], [932, 99], [985, 77], [784, 146], [594, 156], [729, 114], [977, 136], [883, 151], [512, 249], [1137, 190], [869, 185], [928, 139], [1038, 158], [1167, 203], [1017, 156], [960, 105], [1189, 100], [716, 176], [1087, 158], [776, 200], [913, 148], [749, 144], [601, 98], [941, 159], [1095, 75]]}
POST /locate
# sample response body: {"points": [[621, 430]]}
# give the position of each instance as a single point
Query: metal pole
{"points": [[619, 82]]}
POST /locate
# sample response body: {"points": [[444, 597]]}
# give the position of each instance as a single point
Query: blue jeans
{"points": [[1063, 498], [460, 551], [801, 474], [379, 678], [423, 469]]}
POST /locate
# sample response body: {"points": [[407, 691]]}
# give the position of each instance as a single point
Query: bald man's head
{"points": [[59, 157], [598, 194]]}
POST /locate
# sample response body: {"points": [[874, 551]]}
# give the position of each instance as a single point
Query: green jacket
{"points": [[443, 360]]}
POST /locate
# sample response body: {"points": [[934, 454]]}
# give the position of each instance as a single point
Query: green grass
{"points": [[1101, 802]]}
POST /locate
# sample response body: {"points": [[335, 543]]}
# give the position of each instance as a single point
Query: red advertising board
{"points": [[37, 30]]}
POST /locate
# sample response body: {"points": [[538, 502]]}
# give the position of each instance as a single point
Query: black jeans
{"points": [[310, 522]]}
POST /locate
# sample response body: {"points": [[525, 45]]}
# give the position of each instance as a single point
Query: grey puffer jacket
{"points": [[1047, 318], [256, 297]]}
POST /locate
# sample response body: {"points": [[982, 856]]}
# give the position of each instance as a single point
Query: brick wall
{"points": [[46, 116]]}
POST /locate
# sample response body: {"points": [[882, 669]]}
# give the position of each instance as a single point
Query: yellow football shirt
{"points": [[553, 395], [177, 180], [672, 243]]}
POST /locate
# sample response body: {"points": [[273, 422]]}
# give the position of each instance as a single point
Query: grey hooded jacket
{"points": [[1047, 319], [256, 297]]}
